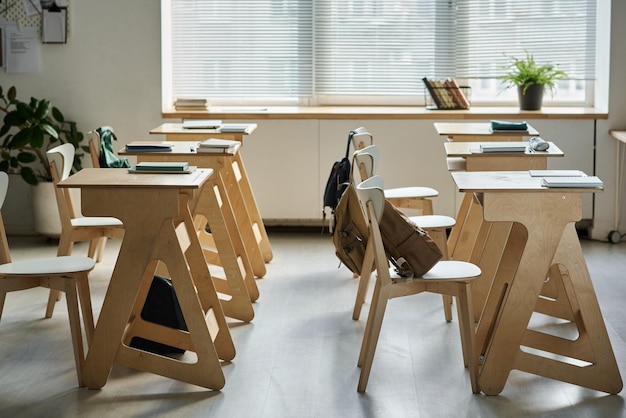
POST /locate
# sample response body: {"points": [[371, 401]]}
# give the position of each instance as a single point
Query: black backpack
{"points": [[337, 181]]}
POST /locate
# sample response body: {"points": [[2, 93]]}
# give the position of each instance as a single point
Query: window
{"points": [[367, 51]]}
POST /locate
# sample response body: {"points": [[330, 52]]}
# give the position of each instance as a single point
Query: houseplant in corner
{"points": [[531, 80], [29, 129]]}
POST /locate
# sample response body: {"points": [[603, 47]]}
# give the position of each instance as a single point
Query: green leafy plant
{"points": [[526, 72], [28, 131]]}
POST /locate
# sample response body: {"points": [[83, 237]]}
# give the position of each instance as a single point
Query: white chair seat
{"points": [[48, 265], [410, 192], [433, 221], [96, 221], [445, 270]]}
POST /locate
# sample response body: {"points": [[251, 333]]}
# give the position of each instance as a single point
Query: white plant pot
{"points": [[45, 210]]}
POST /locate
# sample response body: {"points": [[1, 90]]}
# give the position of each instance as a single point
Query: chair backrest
{"points": [[361, 138], [366, 161], [61, 159], [372, 197], [94, 148], [5, 256]]}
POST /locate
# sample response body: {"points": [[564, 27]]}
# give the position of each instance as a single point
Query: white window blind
{"points": [[241, 50], [289, 50]]}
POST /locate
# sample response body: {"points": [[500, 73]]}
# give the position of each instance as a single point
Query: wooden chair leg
{"points": [[74, 318], [372, 332], [3, 297], [368, 262], [84, 297], [439, 236], [65, 248]]}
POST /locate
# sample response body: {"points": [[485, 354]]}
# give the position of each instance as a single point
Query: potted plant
{"points": [[531, 80], [29, 129]]}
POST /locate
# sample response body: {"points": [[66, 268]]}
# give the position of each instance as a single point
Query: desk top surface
{"points": [[507, 181], [121, 178], [177, 128], [477, 128], [472, 149]]}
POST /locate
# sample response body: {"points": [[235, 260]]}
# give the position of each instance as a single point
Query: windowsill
{"points": [[383, 112]]}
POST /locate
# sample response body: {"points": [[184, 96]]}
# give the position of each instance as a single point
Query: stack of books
{"points": [[218, 146], [191, 104], [447, 94], [173, 167]]}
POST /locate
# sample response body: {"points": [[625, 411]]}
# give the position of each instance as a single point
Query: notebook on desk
{"points": [[574, 182], [556, 173], [202, 124], [504, 147]]}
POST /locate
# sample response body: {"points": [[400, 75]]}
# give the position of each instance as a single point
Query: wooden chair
{"points": [[451, 278], [410, 197], [74, 226], [366, 161], [64, 274], [94, 148]]}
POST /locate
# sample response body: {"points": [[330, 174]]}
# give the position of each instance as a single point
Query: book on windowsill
{"points": [[191, 104], [141, 146], [164, 166], [573, 182]]}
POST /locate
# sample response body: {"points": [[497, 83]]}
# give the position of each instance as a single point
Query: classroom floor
{"points": [[297, 358]]}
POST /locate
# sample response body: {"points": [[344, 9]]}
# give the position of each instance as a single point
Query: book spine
{"points": [[431, 91], [444, 96], [464, 103]]}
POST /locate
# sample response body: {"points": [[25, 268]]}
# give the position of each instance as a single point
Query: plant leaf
{"points": [[21, 139], [29, 175], [26, 157]]}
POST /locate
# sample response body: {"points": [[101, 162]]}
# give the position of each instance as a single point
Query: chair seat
{"points": [[48, 265], [433, 221], [96, 221], [445, 270], [410, 192]]}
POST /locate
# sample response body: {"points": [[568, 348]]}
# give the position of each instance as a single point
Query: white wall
{"points": [[109, 74]]}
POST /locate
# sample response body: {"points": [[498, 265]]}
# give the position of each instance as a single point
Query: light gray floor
{"points": [[297, 358]]}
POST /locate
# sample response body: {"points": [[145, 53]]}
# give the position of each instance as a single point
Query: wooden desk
{"points": [[175, 132], [543, 235], [482, 243], [479, 131], [231, 242], [158, 229], [231, 183]]}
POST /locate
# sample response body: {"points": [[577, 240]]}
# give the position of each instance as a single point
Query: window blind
{"points": [[234, 49], [289, 50]]}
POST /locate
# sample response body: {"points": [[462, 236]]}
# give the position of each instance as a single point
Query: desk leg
{"points": [[134, 261], [239, 284], [230, 186], [548, 219], [253, 210]]}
